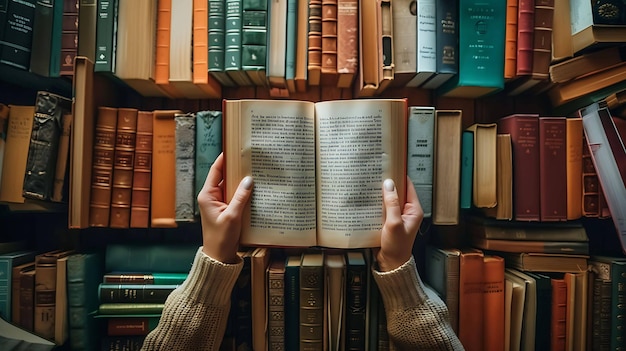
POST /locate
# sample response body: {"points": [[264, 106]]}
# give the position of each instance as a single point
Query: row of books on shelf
{"points": [[190, 49], [524, 297]]}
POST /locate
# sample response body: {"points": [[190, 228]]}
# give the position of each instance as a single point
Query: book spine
{"points": [[493, 300], [311, 307], [233, 27], [601, 314], [386, 57], [163, 202], [542, 41], [558, 315], [347, 41], [471, 305], [102, 173], [276, 305], [5, 287], [69, 37], [615, 141], [525, 26], [290, 45], [510, 47], [426, 40], [255, 40], [162, 49], [15, 46], [131, 325], [106, 34], [4, 118], [618, 308], [591, 189], [574, 156], [45, 295], [61, 182], [356, 303], [149, 258], [44, 143], [54, 63], [552, 169], [467, 167], [208, 146], [329, 39], [151, 278], [446, 37], [420, 154], [315, 42], [126, 308], [42, 37], [27, 300], [216, 37], [122, 183], [292, 306], [19, 128], [142, 172], [241, 307], [141, 293], [185, 169], [446, 179], [87, 21], [122, 342]]}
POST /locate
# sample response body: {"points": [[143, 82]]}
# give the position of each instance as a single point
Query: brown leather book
{"points": [[302, 47], [347, 42], [102, 166], [524, 130], [314, 67], [493, 299], [59, 187], [558, 314], [561, 93], [542, 42], [525, 26], [163, 202], [510, 47], [121, 188], [329, 42], [561, 32], [45, 292], [27, 299], [552, 169], [162, 48], [15, 290], [142, 172], [69, 37], [587, 63], [370, 69], [574, 151], [312, 302], [471, 302], [19, 130]]}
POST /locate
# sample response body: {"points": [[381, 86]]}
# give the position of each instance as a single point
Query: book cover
{"points": [[558, 311], [335, 271], [504, 179], [481, 66], [43, 27], [60, 185], [106, 36], [104, 140], [292, 302], [574, 165], [142, 172], [8, 262], [447, 167], [426, 60], [208, 145], [442, 274], [163, 202], [591, 27], [291, 44], [16, 283], [255, 36], [529, 318], [276, 304], [241, 307], [207, 86], [467, 169], [27, 299], [512, 245], [447, 50], [185, 153], [471, 301], [87, 24], [493, 301], [131, 325], [552, 169], [484, 180], [277, 42], [123, 165], [312, 301], [135, 293], [524, 131], [348, 42], [44, 143], [69, 40], [421, 134], [258, 284], [19, 129], [258, 138], [144, 278], [216, 45], [546, 262], [356, 296], [510, 45], [16, 44], [488, 228], [544, 304], [370, 30], [233, 48], [525, 36], [45, 292]]}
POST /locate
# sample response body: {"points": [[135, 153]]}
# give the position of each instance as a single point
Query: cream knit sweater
{"points": [[195, 314]]}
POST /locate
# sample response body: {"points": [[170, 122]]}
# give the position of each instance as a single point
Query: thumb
{"points": [[241, 197], [391, 201]]}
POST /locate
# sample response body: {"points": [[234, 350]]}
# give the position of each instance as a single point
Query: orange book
{"points": [[123, 167], [20, 127], [471, 306], [201, 77], [510, 47], [558, 314], [102, 166], [162, 52], [163, 202], [493, 293], [574, 150], [142, 172], [576, 88]]}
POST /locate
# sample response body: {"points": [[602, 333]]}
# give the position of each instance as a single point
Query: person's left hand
{"points": [[221, 222]]}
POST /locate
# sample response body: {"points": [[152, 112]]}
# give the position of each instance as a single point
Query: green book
{"points": [[106, 34], [467, 166], [43, 26], [84, 273], [217, 42], [232, 43], [150, 258], [54, 68], [254, 40], [290, 49], [7, 262], [144, 278], [127, 308], [208, 145], [481, 29]]}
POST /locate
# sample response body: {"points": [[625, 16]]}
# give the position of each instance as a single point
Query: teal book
{"points": [[106, 34], [217, 42], [208, 145], [467, 167], [84, 274], [144, 278], [290, 45], [149, 258], [232, 43], [292, 302], [481, 29], [7, 262], [54, 66], [254, 40], [357, 273], [16, 44], [420, 153], [42, 36]]}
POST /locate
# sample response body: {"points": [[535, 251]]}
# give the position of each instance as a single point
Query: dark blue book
{"points": [[292, 302]]}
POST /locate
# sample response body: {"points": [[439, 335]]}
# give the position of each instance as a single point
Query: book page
{"points": [[273, 141], [360, 143]]}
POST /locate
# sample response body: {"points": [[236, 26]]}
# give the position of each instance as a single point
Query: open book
{"points": [[318, 168]]}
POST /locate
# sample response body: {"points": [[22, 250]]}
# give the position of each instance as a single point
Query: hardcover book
{"points": [[357, 276], [102, 172], [447, 49], [347, 42], [16, 43], [69, 39], [44, 143], [275, 142], [420, 154], [137, 293], [16, 296], [19, 129], [574, 165], [471, 302], [185, 153], [329, 42], [254, 40], [60, 185], [493, 300], [592, 27], [106, 36], [447, 167], [504, 179], [46, 293], [142, 172], [442, 274], [276, 304], [484, 180], [8, 262], [552, 169], [123, 163], [208, 145], [467, 169], [314, 61], [292, 302], [312, 302], [335, 271]]}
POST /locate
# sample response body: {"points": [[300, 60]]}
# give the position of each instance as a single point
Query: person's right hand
{"points": [[402, 221], [221, 222]]}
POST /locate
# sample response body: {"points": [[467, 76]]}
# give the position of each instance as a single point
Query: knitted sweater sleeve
{"points": [[196, 313], [417, 319]]}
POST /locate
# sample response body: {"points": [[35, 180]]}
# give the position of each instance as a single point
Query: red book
{"points": [[559, 312], [524, 130], [525, 30], [552, 169]]}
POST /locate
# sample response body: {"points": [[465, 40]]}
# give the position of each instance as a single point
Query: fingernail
{"points": [[389, 185], [247, 182]]}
